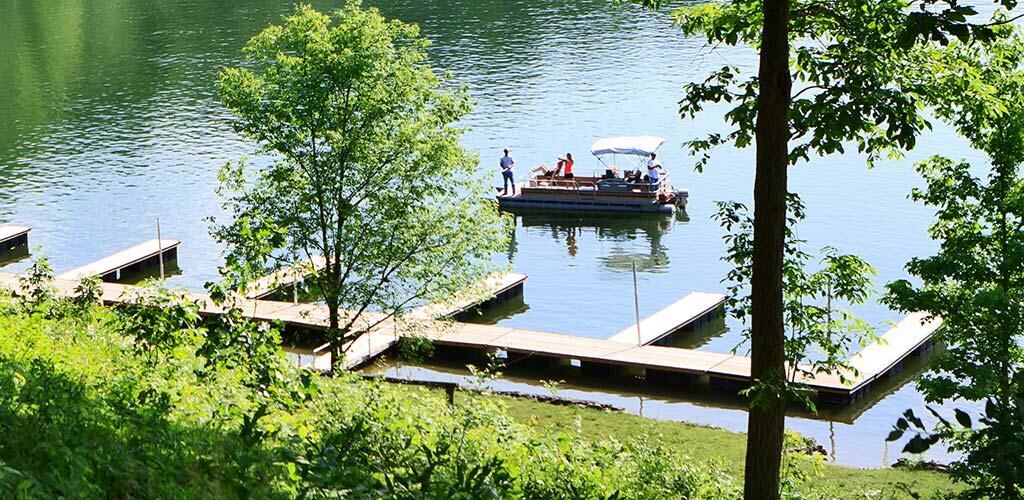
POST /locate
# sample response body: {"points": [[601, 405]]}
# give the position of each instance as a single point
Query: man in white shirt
{"points": [[653, 169]]}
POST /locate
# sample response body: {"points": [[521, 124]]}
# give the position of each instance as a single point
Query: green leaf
{"points": [[916, 445], [901, 424], [963, 418], [909, 415]]}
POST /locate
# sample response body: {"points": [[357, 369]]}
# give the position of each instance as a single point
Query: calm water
{"points": [[110, 120]]}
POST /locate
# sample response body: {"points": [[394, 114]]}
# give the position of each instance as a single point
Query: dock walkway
{"points": [[883, 357], [911, 335], [590, 351], [695, 307], [138, 257], [495, 288]]}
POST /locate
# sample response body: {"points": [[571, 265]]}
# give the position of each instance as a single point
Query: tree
{"points": [[367, 171], [975, 281], [820, 327], [854, 86], [852, 61]]}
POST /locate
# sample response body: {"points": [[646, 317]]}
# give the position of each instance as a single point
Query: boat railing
{"points": [[663, 187], [566, 183]]}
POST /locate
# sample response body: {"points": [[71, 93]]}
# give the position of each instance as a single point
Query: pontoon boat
{"points": [[610, 190]]}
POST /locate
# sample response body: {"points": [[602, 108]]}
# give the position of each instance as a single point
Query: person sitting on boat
{"points": [[567, 166], [548, 172], [506, 163]]}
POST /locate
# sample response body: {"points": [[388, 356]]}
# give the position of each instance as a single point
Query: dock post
{"points": [[636, 308], [450, 390], [159, 249]]}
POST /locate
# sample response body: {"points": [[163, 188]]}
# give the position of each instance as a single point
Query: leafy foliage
{"points": [[84, 414], [856, 82], [367, 174], [975, 282], [104, 408], [36, 286], [820, 328], [158, 321]]}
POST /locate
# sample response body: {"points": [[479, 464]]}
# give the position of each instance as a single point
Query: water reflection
{"points": [[501, 311], [695, 337], [14, 255], [570, 228]]}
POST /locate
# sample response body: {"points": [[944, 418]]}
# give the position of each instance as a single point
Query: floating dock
{"points": [[143, 257], [13, 236], [692, 310], [367, 347], [668, 364], [885, 357], [492, 290], [597, 357], [267, 285]]}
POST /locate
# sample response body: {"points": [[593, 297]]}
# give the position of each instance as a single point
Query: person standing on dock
{"points": [[506, 173]]}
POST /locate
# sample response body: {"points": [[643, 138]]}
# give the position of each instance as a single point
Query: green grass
{"points": [[725, 447]]}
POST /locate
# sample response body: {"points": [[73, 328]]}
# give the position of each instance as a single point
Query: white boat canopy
{"points": [[640, 146]]}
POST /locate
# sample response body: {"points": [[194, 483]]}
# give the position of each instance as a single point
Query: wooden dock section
{"points": [[597, 357], [885, 356], [267, 285], [142, 257], [369, 346], [492, 290], [911, 334], [13, 236], [601, 356], [696, 307]]}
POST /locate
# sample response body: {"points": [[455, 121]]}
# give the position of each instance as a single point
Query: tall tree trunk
{"points": [[333, 326], [767, 418]]}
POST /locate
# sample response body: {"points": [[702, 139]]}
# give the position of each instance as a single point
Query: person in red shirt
{"points": [[567, 166]]}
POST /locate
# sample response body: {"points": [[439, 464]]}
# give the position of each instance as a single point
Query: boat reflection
{"points": [[631, 230]]}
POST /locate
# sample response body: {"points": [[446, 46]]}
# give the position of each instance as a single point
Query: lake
{"points": [[111, 120]]}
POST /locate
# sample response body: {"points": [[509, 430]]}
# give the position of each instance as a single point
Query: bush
{"points": [[91, 406]]}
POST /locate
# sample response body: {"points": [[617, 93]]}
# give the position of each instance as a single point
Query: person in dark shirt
{"points": [[507, 163]]}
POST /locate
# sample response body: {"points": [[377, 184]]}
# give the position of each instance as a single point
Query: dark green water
{"points": [[109, 119]]}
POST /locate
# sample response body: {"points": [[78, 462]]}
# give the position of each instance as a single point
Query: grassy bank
{"points": [[152, 402], [725, 449], [728, 448]]}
